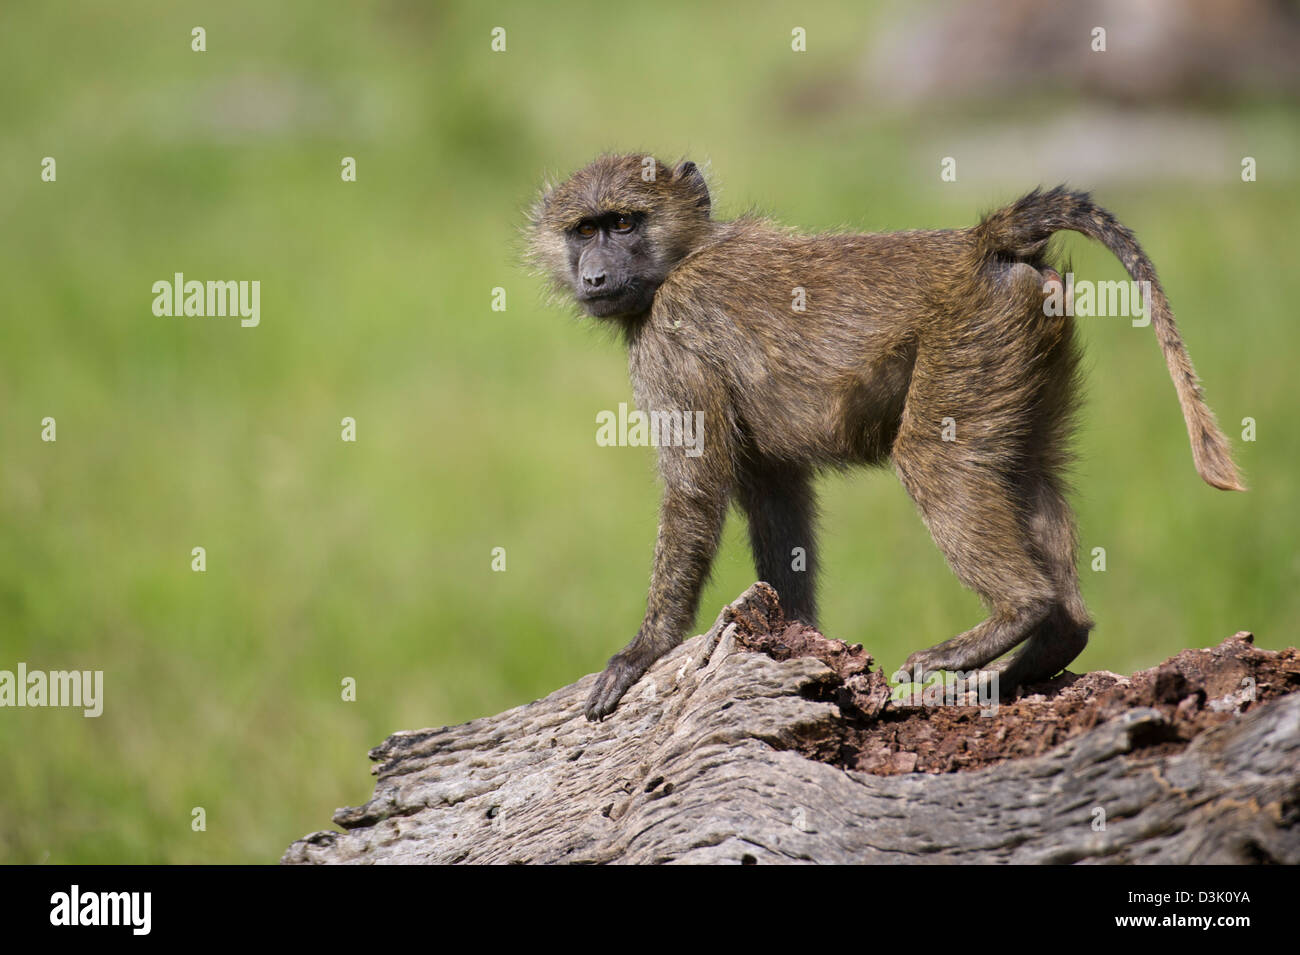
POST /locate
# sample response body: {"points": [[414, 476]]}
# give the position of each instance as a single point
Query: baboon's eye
{"points": [[624, 223], [586, 229]]}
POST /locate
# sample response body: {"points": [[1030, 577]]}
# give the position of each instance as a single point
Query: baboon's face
{"points": [[612, 270], [612, 232]]}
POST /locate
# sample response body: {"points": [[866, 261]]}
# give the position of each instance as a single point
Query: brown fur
{"points": [[900, 331]]}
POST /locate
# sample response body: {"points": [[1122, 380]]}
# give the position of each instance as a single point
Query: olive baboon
{"points": [[932, 349]]}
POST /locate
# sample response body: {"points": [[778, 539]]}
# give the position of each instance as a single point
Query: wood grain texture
{"points": [[702, 763]]}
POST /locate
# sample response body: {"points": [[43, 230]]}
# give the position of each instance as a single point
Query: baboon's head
{"points": [[611, 232]]}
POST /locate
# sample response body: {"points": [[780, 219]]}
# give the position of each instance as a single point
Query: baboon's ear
{"points": [[689, 175]]}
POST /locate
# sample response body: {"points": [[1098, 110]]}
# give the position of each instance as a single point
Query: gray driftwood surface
{"points": [[703, 762]]}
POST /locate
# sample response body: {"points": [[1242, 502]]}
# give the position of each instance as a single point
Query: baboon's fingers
{"points": [[617, 678]]}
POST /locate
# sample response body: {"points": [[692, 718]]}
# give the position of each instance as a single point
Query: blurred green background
{"points": [[476, 428]]}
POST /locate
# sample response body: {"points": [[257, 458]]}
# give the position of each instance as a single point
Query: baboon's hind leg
{"points": [[1061, 637], [970, 511], [991, 496], [779, 504]]}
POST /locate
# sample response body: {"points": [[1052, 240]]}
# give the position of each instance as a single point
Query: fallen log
{"points": [[763, 741]]}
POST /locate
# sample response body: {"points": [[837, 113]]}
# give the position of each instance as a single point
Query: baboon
{"points": [[930, 349]]}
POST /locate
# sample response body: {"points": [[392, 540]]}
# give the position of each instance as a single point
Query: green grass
{"points": [[476, 428]]}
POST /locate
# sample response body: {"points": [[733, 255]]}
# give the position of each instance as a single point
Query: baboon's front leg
{"points": [[690, 526]]}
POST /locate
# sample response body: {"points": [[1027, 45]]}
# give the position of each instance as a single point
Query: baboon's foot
{"points": [[980, 645], [1047, 652], [949, 655]]}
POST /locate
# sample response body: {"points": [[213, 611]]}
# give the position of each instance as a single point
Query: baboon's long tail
{"points": [[1021, 230]]}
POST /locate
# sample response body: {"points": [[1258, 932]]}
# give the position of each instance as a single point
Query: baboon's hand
{"points": [[620, 673]]}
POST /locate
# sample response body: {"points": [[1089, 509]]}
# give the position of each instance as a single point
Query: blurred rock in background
{"points": [[1157, 51], [1164, 100]]}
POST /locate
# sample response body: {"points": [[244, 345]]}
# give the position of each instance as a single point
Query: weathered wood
{"points": [[704, 762]]}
